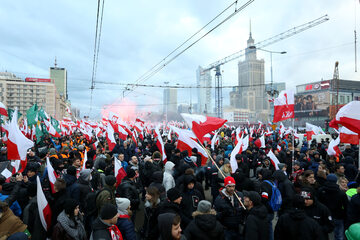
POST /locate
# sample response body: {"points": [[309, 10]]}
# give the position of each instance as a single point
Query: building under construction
{"points": [[318, 102]]}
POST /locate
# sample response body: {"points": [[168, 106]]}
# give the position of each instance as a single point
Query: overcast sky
{"points": [[137, 34]]}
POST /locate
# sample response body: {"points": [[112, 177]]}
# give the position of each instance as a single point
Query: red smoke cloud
{"points": [[123, 107]]}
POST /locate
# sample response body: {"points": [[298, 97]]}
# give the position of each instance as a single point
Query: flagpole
{"points": [[293, 145], [222, 174]]}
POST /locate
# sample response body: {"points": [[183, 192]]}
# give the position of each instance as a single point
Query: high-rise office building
{"points": [[203, 79], [59, 77], [170, 100]]}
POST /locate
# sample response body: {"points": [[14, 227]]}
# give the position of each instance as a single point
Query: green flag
{"points": [[10, 113], [43, 115], [32, 114], [38, 133]]}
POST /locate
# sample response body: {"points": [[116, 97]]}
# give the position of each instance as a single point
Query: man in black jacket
{"points": [[229, 211], [296, 225], [104, 227], [318, 211], [336, 200], [256, 226]]}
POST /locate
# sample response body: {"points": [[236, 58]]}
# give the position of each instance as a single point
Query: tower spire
{"points": [[55, 64], [250, 36]]}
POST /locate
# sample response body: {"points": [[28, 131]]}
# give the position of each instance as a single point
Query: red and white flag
{"points": [[51, 130], [241, 146], [68, 110], [17, 143], [43, 206], [160, 144], [311, 130], [273, 159], [349, 116], [202, 125], [51, 174], [187, 141], [260, 142], [140, 120], [85, 160], [120, 172], [110, 137], [3, 110], [348, 136], [333, 149], [284, 106], [214, 139]]}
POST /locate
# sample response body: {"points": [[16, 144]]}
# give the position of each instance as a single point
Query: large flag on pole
{"points": [[348, 136], [284, 106], [43, 206], [51, 174], [348, 116], [3, 110], [333, 149], [110, 137], [241, 146], [120, 172], [160, 144], [202, 125], [273, 159]]}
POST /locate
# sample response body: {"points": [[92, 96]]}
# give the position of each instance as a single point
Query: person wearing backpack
{"points": [[287, 190], [266, 191]]}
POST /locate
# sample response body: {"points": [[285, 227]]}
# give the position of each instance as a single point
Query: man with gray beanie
{"points": [[204, 225]]}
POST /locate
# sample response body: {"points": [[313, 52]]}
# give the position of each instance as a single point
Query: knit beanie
{"points": [[110, 180], [204, 206], [173, 194], [70, 205], [331, 178], [108, 211], [122, 204]]}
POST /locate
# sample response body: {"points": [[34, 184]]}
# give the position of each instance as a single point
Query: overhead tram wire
{"points": [[192, 44], [93, 75], [187, 40]]}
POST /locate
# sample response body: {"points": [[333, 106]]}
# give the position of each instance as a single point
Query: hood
{"points": [[297, 214], [229, 148], [279, 175], [206, 222], [349, 160], [218, 158], [69, 179], [169, 166], [259, 211], [157, 177], [7, 188], [188, 179], [266, 174], [165, 221], [331, 187]]}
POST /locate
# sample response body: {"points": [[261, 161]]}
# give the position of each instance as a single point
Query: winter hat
{"points": [[194, 150], [130, 173], [307, 194], [85, 174], [122, 205], [331, 178], [229, 181], [71, 170], [204, 206], [253, 196], [226, 161], [353, 232], [108, 211], [173, 194], [110, 180], [281, 165]]}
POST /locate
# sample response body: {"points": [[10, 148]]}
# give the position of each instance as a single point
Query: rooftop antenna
{"points": [[250, 27], [55, 64]]}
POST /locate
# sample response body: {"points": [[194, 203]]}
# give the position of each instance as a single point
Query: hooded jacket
{"points": [[333, 198], [72, 188], [190, 197], [165, 226], [9, 223], [171, 207], [256, 226], [205, 227], [127, 189], [157, 181], [168, 179], [353, 211], [296, 225], [84, 187], [76, 231], [286, 188]]}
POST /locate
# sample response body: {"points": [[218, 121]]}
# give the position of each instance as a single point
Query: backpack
{"points": [[90, 202], [276, 199]]}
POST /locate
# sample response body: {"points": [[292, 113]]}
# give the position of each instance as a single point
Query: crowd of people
{"points": [[314, 197]]}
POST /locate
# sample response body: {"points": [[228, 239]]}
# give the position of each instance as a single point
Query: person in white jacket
{"points": [[168, 179]]}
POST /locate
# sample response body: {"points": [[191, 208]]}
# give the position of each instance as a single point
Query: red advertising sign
{"points": [[44, 80]]}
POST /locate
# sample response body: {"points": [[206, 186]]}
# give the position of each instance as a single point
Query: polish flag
{"points": [[120, 172], [284, 106], [207, 138], [68, 110], [202, 125], [241, 146], [51, 174], [120, 130], [268, 133], [51, 130], [333, 149], [311, 130], [85, 160], [67, 119], [110, 137], [160, 144], [3, 110], [349, 116], [169, 135], [17, 143], [348, 136], [140, 120], [278, 148], [273, 159], [214, 139], [187, 141], [43, 206], [260, 142]]}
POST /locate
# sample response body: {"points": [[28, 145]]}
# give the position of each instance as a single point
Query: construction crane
{"points": [[335, 87], [216, 65]]}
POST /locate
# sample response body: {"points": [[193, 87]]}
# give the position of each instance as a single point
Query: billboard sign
{"points": [[41, 80], [314, 104]]}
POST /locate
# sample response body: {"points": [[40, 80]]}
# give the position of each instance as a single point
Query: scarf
{"points": [[115, 233]]}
